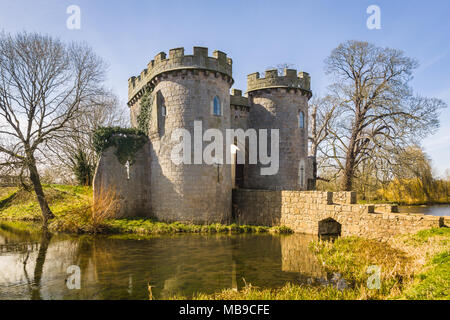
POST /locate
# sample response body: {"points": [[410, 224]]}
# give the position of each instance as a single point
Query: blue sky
{"points": [[255, 34]]}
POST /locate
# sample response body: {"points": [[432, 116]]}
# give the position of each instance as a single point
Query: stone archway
{"points": [[237, 169], [329, 227]]}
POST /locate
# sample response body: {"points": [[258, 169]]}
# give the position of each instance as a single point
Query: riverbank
{"points": [[412, 267], [72, 206]]}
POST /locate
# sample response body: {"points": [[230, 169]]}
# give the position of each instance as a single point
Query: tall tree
{"points": [[43, 83], [322, 114], [75, 150], [376, 105]]}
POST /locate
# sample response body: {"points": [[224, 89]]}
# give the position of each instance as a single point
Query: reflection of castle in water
{"points": [[296, 259], [183, 265]]}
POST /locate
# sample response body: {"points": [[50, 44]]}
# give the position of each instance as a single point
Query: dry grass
{"points": [[287, 292], [412, 267], [90, 218], [352, 257]]}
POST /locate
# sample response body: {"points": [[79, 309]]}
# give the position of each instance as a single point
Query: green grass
{"points": [[71, 204], [443, 234], [22, 205], [434, 282], [6, 192], [403, 276], [352, 256], [287, 292]]}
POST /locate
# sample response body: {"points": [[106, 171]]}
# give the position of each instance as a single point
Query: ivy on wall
{"points": [[126, 140], [143, 119]]}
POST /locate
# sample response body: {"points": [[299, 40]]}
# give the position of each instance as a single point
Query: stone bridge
{"points": [[327, 213]]}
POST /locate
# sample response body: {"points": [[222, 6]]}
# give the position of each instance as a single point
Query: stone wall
{"points": [[199, 193], [279, 108], [344, 197], [314, 212], [131, 188], [239, 110]]}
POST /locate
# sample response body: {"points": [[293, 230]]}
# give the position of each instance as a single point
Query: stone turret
{"points": [[182, 89], [289, 80], [281, 102]]}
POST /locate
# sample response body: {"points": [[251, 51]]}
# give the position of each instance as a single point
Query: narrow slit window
{"points": [[216, 106], [127, 167], [301, 120], [301, 174]]}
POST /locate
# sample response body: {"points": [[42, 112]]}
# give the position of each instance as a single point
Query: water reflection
{"points": [[34, 266], [436, 210]]}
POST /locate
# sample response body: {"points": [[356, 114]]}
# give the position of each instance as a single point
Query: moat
{"points": [[35, 267]]}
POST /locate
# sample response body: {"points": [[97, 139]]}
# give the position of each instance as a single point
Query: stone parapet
{"points": [[236, 99], [177, 61], [386, 208], [289, 80], [344, 197], [313, 212]]}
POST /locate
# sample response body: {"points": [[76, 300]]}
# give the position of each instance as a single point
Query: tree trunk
{"points": [[39, 266], [314, 165], [350, 158], [36, 181], [347, 179]]}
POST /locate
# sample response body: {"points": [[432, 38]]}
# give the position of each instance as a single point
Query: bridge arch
{"points": [[329, 227]]}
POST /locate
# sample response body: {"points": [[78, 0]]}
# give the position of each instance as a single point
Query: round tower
{"points": [[188, 92], [281, 102]]}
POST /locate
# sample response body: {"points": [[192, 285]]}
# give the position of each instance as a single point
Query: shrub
{"points": [[89, 218]]}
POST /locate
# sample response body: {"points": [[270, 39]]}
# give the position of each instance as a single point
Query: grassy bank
{"points": [[411, 267], [149, 226], [72, 206], [18, 204], [288, 292]]}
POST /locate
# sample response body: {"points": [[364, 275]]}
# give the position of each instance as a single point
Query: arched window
{"points": [[217, 110], [301, 120]]}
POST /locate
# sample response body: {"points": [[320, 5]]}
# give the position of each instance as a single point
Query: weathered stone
{"points": [[353, 219]]}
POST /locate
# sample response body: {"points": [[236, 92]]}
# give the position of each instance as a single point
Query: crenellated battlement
{"points": [[236, 99], [177, 60], [289, 79]]}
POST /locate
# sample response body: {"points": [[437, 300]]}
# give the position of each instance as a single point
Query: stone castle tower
{"points": [[281, 102], [179, 90]]}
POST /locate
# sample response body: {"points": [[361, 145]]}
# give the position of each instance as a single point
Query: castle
{"points": [[181, 89]]}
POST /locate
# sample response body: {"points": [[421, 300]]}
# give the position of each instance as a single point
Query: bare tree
{"points": [[322, 114], [43, 82], [376, 106], [76, 148]]}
